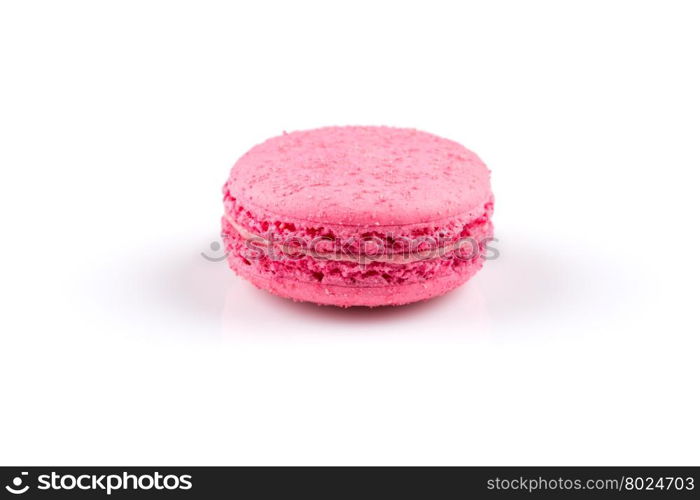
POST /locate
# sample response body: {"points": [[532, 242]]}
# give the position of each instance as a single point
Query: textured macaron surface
{"points": [[361, 175], [357, 215]]}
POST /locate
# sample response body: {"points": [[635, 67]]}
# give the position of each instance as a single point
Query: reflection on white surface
{"points": [[278, 318], [527, 287]]}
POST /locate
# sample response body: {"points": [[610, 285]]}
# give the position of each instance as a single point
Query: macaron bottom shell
{"points": [[347, 296]]}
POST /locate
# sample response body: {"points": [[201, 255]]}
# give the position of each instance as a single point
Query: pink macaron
{"points": [[357, 216]]}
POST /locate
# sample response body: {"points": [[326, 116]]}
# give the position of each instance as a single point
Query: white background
{"points": [[120, 344]]}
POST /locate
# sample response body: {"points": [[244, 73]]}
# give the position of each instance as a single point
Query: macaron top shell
{"points": [[361, 176]]}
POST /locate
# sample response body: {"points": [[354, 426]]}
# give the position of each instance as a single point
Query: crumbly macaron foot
{"points": [[348, 296]]}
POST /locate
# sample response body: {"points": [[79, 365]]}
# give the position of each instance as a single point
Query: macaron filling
{"points": [[305, 268]]}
